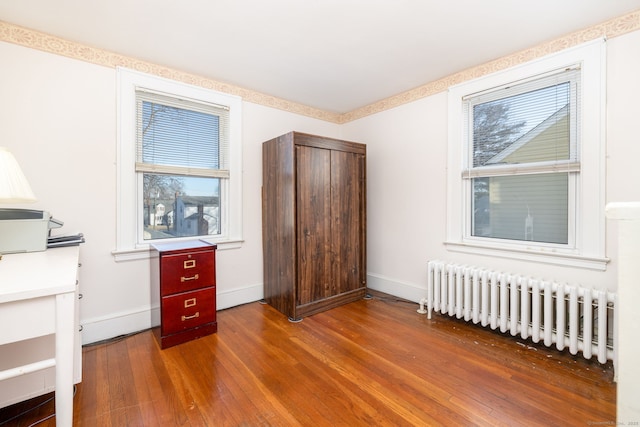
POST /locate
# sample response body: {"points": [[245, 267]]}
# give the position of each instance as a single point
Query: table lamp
{"points": [[14, 187]]}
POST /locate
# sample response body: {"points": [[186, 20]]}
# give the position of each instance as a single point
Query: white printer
{"points": [[25, 230]]}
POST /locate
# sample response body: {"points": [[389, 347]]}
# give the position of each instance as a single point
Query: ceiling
{"points": [[334, 55]]}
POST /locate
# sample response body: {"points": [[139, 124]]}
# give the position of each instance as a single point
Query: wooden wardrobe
{"points": [[313, 222]]}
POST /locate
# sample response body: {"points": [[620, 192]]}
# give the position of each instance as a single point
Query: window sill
{"points": [[531, 255], [142, 252]]}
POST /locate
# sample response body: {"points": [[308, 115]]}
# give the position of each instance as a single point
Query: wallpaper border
{"points": [[36, 40], [609, 29]]}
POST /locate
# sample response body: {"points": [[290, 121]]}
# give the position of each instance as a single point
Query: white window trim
{"points": [[127, 245], [590, 223]]}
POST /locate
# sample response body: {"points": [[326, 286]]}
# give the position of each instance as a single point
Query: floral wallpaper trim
{"points": [[41, 41], [609, 29], [51, 44]]}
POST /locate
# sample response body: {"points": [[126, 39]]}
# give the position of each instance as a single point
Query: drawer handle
{"points": [[189, 302], [190, 263], [186, 279], [191, 317]]}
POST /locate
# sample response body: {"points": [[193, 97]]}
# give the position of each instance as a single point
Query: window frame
{"points": [[129, 238], [571, 165], [587, 245]]}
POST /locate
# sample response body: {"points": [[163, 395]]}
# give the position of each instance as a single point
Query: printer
{"points": [[25, 230]]}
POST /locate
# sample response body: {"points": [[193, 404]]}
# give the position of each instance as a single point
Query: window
{"points": [[526, 175], [179, 163], [181, 156], [523, 164]]}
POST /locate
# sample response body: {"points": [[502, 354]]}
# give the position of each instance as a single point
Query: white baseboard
{"points": [[240, 296], [408, 291], [116, 324]]}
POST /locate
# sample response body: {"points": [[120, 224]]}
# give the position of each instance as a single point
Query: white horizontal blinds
{"points": [[533, 124], [181, 137], [523, 158]]}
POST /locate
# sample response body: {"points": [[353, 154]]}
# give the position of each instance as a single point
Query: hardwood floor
{"points": [[369, 363]]}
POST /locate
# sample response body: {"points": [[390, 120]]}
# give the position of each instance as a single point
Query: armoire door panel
{"points": [[313, 172], [346, 220]]}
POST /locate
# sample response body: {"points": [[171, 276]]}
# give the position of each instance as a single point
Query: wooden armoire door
{"points": [[347, 221], [330, 222], [313, 202]]}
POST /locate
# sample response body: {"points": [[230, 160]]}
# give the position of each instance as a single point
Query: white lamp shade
{"points": [[14, 187]]}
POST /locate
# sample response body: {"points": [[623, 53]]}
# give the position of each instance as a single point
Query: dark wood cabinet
{"points": [[314, 223], [183, 276]]}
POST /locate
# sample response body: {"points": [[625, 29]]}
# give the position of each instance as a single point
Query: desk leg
{"points": [[64, 358]]}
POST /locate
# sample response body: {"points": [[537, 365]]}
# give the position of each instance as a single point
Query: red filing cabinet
{"points": [[183, 275]]}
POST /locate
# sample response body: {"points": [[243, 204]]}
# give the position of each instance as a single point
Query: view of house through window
{"points": [[180, 206], [523, 160], [181, 159]]}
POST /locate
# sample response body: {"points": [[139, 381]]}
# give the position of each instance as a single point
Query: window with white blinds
{"points": [[526, 161], [181, 152], [522, 145], [179, 164], [181, 136]]}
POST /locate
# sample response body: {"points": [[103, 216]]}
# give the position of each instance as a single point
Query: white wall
{"points": [[58, 117], [623, 129], [406, 192], [407, 152]]}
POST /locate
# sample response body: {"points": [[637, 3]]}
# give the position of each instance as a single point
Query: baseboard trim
{"points": [[405, 290], [122, 323]]}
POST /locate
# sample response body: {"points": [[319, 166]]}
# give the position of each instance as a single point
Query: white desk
{"points": [[38, 298]]}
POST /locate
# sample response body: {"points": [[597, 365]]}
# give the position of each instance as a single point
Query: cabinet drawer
{"points": [[187, 271], [188, 310]]}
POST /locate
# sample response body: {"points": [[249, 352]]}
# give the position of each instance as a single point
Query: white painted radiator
{"points": [[566, 316]]}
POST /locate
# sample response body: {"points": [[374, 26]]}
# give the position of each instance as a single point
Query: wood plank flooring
{"points": [[369, 363]]}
